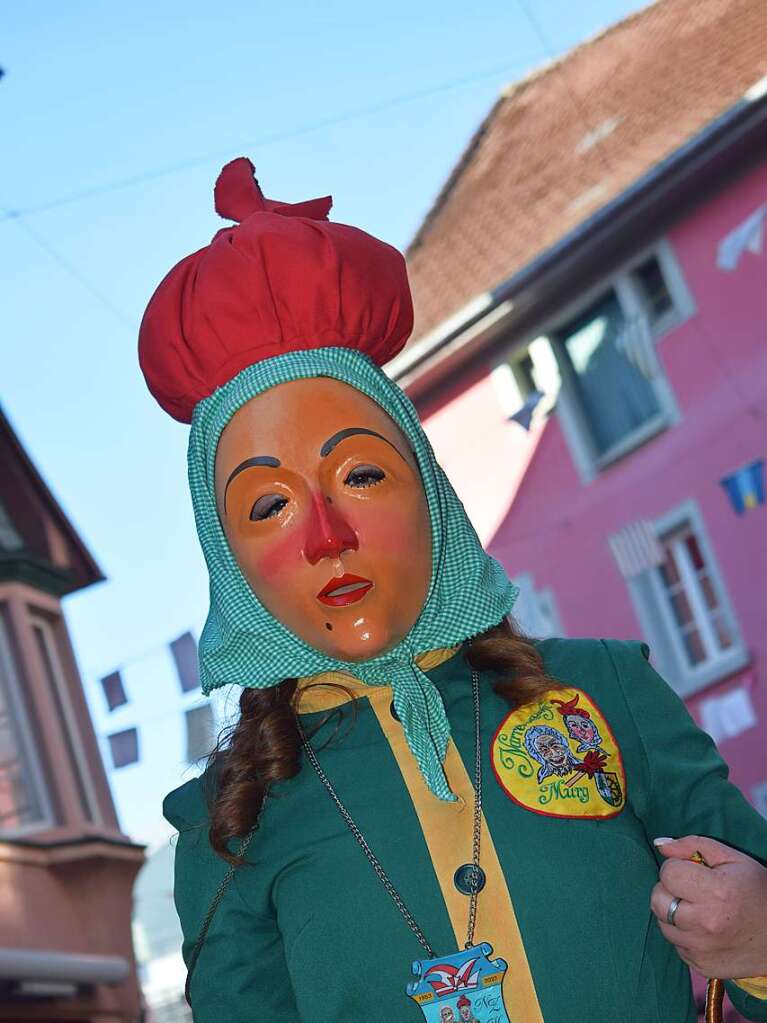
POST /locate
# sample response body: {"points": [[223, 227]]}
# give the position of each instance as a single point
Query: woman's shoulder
{"points": [[615, 674], [189, 805], [585, 659]]}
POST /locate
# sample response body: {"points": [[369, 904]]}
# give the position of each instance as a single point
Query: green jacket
{"points": [[306, 931]]}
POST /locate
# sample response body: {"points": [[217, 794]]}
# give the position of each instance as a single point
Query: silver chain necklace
{"points": [[453, 981], [476, 878]]}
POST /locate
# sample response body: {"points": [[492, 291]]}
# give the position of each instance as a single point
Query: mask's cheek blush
{"points": [[277, 558]]}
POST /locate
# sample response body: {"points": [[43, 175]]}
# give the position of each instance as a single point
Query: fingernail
{"points": [[662, 841]]}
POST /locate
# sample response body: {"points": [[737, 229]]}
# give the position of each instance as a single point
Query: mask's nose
{"points": [[328, 534]]}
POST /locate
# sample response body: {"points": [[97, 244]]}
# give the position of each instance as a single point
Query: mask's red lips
{"points": [[346, 590]]}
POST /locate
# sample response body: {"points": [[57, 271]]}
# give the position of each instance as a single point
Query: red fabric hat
{"points": [[285, 279], [463, 1001]]}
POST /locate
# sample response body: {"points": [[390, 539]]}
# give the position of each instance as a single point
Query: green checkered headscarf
{"points": [[242, 643]]}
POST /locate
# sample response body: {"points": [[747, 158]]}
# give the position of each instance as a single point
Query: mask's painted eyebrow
{"points": [[329, 444], [269, 460]]}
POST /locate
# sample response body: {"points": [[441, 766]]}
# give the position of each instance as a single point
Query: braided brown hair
{"points": [[263, 745]]}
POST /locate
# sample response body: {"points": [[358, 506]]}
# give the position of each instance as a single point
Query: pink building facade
{"points": [[547, 502], [590, 350]]}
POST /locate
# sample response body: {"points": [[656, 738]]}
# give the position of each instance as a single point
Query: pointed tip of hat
{"points": [[236, 193]]}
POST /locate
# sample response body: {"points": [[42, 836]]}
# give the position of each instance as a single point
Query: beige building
{"points": [[66, 870]]}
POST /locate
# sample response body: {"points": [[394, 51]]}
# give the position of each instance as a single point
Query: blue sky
{"points": [[117, 119]]}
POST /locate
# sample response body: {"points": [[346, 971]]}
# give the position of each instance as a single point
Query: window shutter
{"points": [[114, 691], [124, 747], [184, 650]]}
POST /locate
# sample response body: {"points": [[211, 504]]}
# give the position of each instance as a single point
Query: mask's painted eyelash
{"points": [[365, 476], [263, 510]]}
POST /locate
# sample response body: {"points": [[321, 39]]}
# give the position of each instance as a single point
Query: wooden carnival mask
{"points": [[322, 505]]}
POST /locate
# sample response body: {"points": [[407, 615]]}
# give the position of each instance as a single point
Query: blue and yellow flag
{"points": [[745, 486]]}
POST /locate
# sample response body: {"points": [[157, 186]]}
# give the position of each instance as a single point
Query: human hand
{"points": [[720, 927]]}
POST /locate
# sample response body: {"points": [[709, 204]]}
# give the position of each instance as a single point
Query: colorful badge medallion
{"points": [[558, 757], [461, 987]]}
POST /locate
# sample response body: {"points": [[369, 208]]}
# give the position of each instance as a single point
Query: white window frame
{"points": [[656, 618], [536, 605], [505, 376], [572, 417], [70, 722], [24, 741], [683, 304]]}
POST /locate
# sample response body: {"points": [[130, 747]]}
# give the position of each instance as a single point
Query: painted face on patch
{"points": [[322, 504], [552, 750], [580, 728]]}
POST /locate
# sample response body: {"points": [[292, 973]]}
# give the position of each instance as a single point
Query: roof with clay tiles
{"points": [[575, 134]]}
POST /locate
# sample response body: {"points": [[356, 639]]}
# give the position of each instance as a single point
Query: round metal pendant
{"points": [[469, 879]]}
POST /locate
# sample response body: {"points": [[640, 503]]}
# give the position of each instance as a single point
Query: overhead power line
{"points": [[281, 136], [78, 275], [579, 106]]}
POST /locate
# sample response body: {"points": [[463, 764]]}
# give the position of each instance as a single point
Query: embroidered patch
{"points": [[558, 757]]}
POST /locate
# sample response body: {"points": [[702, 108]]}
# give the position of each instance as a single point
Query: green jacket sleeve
{"points": [[241, 973], [685, 789]]}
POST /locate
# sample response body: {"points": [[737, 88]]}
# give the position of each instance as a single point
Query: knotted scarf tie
{"points": [[244, 644]]}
